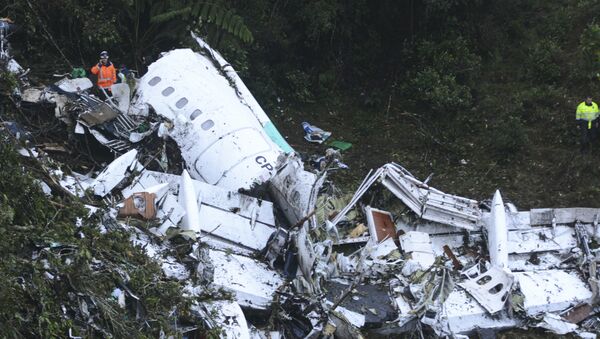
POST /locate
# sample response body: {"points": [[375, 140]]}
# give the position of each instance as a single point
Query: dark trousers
{"points": [[100, 93], [587, 135]]}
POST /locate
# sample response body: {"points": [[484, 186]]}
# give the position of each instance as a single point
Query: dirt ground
{"points": [[546, 173]]}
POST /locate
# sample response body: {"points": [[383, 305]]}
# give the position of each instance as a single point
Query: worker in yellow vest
{"points": [[587, 122]]}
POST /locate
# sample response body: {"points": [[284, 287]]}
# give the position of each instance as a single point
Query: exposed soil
{"points": [[548, 172]]}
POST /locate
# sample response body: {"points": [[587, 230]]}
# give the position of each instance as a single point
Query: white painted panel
{"points": [[253, 282]]}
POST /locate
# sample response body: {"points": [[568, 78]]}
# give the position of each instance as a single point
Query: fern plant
{"points": [[204, 14], [151, 26]]}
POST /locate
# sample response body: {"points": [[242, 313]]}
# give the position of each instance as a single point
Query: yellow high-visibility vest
{"points": [[588, 113]]}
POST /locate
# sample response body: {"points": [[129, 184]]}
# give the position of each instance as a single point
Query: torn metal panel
{"points": [[253, 283], [540, 262], [418, 246], [222, 225], [498, 233], [121, 94], [551, 291], [490, 288], [170, 213], [556, 324], [234, 228], [228, 317], [429, 203], [115, 172], [381, 224], [217, 197], [230, 219], [294, 189], [74, 85], [98, 114], [76, 183], [190, 200], [553, 216], [461, 314], [541, 239]]}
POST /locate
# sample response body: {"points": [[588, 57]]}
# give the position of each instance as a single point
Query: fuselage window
{"points": [[154, 81], [195, 114], [207, 125], [168, 91], [181, 103]]}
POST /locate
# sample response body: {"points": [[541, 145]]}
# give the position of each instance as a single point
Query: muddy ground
{"points": [[546, 173]]}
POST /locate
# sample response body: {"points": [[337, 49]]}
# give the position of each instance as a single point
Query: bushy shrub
{"points": [[299, 86], [450, 56], [440, 74], [543, 62], [507, 137], [589, 45], [439, 91]]}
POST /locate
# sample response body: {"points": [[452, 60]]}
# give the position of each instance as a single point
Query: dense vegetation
{"points": [[480, 92]]}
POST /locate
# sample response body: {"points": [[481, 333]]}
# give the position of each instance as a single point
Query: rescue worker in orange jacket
{"points": [[107, 75]]}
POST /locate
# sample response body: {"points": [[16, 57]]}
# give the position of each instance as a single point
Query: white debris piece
{"points": [[45, 188], [174, 269], [112, 175], [253, 283], [559, 238], [170, 213], [418, 246], [230, 318], [76, 183], [498, 233], [490, 288], [121, 94], [556, 324], [356, 319], [462, 314], [551, 291], [383, 248], [214, 196], [189, 200], [74, 85], [120, 296]]}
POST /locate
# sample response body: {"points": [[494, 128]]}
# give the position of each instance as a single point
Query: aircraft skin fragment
{"points": [[498, 233], [189, 200]]}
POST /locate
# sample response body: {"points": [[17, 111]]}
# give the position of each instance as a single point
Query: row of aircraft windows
{"points": [[208, 124]]}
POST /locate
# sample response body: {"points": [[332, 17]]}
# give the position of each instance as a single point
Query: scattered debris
{"points": [[314, 133], [209, 220]]}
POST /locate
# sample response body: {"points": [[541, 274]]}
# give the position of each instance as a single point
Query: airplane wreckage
{"points": [[397, 256]]}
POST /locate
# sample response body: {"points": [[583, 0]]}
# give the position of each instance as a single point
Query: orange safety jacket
{"points": [[107, 75]]}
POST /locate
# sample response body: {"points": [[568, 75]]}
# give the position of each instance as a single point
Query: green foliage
{"points": [[590, 48], [439, 92], [507, 137], [543, 63], [449, 56], [202, 13], [320, 17], [299, 86], [536, 102], [58, 277], [441, 73]]}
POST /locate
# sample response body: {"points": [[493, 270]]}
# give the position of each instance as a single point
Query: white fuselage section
{"points": [[222, 139]]}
